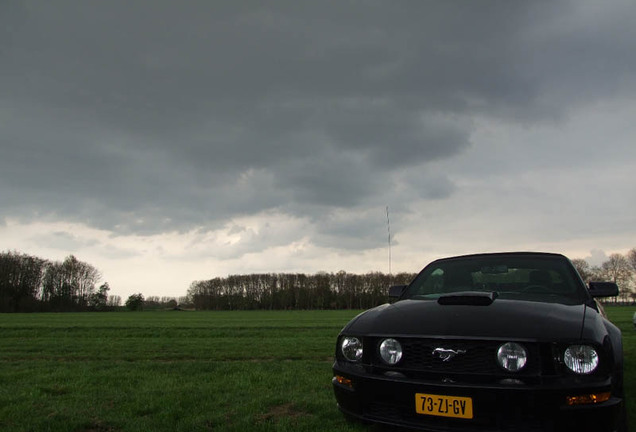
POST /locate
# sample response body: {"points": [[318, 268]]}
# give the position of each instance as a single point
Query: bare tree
{"points": [[68, 285], [20, 279], [114, 301], [631, 259], [583, 268], [618, 270]]}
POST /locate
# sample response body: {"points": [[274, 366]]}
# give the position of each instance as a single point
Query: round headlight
{"points": [[390, 351], [351, 348], [581, 359], [512, 356]]}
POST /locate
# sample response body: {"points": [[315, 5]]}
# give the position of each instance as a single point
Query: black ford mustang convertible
{"points": [[490, 342]]}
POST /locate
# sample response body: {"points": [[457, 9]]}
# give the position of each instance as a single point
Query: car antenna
{"points": [[388, 228]]}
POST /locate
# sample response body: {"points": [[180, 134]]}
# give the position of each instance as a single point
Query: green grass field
{"points": [[622, 317], [183, 371]]}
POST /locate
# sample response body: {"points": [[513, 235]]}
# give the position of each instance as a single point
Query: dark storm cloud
{"points": [[146, 116]]}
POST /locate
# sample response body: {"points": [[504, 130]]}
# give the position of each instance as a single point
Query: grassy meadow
{"points": [[169, 371], [183, 371], [622, 317]]}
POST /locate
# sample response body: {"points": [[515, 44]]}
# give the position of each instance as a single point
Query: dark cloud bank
{"points": [[151, 116]]}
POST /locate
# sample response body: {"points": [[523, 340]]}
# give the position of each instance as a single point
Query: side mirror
{"points": [[603, 289], [396, 291]]}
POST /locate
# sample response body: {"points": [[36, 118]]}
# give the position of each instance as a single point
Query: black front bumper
{"points": [[497, 406]]}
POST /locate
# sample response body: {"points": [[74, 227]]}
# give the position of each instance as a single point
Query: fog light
{"points": [[592, 398], [512, 356], [344, 381], [391, 351]]}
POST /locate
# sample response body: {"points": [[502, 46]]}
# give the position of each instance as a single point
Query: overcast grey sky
{"points": [[165, 142]]}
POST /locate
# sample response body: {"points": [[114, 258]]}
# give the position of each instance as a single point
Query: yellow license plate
{"points": [[444, 406]]}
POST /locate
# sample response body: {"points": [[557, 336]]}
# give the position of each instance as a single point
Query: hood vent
{"points": [[468, 298]]}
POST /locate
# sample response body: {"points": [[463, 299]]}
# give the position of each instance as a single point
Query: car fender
{"points": [[364, 316], [615, 340]]}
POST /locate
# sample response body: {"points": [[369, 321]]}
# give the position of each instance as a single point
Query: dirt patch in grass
{"points": [[227, 420], [55, 390], [97, 426], [280, 412]]}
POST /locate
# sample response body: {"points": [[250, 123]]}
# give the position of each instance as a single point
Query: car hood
{"points": [[509, 319]]}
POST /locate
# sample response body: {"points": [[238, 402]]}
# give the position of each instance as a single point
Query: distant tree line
{"points": [[354, 291], [138, 302], [294, 291], [31, 284]]}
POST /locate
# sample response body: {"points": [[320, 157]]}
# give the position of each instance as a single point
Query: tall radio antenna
{"points": [[388, 228]]}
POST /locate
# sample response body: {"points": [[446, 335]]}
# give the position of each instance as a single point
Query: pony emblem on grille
{"points": [[446, 354]]}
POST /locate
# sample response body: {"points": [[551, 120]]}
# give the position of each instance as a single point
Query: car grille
{"points": [[477, 358]]}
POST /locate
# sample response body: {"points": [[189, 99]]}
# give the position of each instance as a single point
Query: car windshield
{"points": [[534, 278]]}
